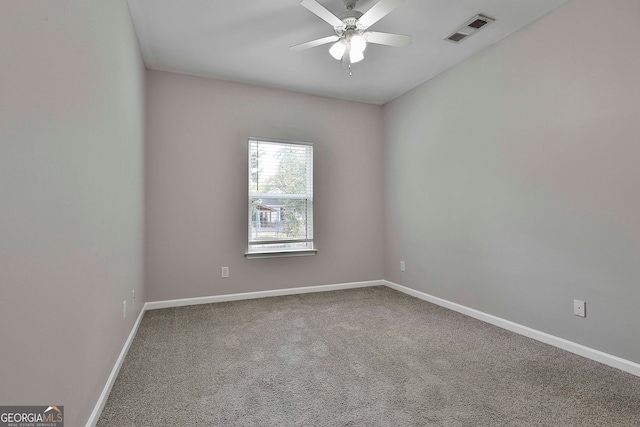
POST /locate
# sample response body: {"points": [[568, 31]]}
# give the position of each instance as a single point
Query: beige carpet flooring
{"points": [[361, 357]]}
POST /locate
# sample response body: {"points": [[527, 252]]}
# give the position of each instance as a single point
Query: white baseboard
{"points": [[261, 294], [102, 400], [579, 349]]}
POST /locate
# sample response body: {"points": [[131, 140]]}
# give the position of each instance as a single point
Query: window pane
{"points": [[280, 168], [275, 219]]}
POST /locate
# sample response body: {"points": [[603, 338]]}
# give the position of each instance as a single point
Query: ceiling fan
{"points": [[351, 30]]}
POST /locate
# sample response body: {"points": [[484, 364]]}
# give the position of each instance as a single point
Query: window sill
{"points": [[280, 254]]}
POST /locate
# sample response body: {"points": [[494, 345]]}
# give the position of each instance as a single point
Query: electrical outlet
{"points": [[133, 296], [402, 266], [124, 309], [579, 308], [225, 271]]}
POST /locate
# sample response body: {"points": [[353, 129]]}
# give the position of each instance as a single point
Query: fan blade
{"points": [[314, 43], [377, 12], [322, 13], [388, 39]]}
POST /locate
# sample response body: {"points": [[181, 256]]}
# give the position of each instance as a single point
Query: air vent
{"points": [[456, 37], [469, 28], [478, 23]]}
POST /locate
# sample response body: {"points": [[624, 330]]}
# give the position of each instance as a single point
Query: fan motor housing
{"points": [[350, 20]]}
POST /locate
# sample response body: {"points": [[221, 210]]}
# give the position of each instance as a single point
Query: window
{"points": [[280, 198]]}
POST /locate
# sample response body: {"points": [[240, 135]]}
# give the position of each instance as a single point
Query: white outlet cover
{"points": [[579, 308], [124, 309], [225, 271]]}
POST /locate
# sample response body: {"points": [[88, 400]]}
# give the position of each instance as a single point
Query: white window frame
{"points": [[275, 248]]}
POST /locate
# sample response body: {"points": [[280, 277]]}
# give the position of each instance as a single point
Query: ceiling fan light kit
{"points": [[351, 30]]}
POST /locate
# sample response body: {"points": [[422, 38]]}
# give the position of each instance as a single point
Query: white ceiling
{"points": [[248, 41]]}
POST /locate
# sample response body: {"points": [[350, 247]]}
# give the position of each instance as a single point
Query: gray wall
{"points": [[512, 179], [196, 186], [71, 204]]}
